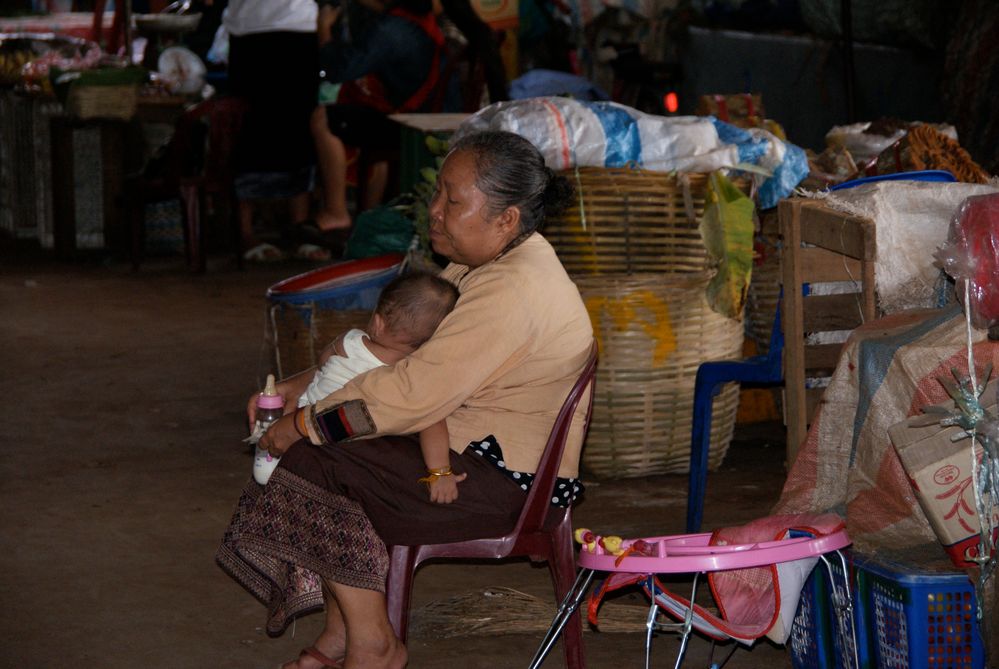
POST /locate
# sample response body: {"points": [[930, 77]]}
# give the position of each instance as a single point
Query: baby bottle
{"points": [[270, 407]]}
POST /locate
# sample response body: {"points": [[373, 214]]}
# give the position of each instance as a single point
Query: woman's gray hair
{"points": [[511, 172]]}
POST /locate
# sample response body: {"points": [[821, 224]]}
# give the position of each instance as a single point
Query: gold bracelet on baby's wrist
{"points": [[433, 474]]}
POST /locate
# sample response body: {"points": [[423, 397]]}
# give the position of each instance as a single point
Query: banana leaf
{"points": [[727, 230]]}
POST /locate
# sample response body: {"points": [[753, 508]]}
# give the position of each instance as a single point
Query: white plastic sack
{"points": [[570, 133], [911, 220]]}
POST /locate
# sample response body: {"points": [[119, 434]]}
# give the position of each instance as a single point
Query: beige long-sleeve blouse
{"points": [[500, 364]]}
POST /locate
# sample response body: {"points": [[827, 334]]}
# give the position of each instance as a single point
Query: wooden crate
{"points": [[819, 245]]}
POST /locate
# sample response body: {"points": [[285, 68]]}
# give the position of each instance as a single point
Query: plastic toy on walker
{"points": [[755, 572]]}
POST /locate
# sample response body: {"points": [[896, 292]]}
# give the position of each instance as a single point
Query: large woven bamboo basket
{"points": [[654, 330], [298, 333], [631, 221]]}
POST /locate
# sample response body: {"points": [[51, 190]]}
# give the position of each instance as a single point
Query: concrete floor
{"points": [[122, 462]]}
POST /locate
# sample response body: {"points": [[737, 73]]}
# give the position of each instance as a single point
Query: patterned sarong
{"points": [[286, 537]]}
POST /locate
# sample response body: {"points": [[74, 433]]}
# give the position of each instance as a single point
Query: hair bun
{"points": [[558, 194]]}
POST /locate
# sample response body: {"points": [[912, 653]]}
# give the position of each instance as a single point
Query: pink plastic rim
{"points": [[270, 401], [688, 553]]}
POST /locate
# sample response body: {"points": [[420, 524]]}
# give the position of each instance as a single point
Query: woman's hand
{"points": [[444, 489], [290, 389], [280, 435]]}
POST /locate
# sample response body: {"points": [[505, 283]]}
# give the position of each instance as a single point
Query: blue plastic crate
{"points": [[818, 639], [905, 618], [918, 619]]}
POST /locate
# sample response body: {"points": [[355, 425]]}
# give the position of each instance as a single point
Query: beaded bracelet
{"points": [[433, 474]]}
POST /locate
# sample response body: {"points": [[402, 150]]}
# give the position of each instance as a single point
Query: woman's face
{"points": [[461, 227]]}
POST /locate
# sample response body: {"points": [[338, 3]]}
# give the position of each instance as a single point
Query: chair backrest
{"points": [[536, 507], [224, 119]]}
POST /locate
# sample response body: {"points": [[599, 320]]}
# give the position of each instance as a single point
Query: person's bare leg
{"points": [[371, 642], [298, 208], [246, 225], [332, 163], [332, 642], [377, 183]]}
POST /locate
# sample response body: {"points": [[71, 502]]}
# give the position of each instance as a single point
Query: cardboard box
{"points": [[940, 473], [741, 109]]}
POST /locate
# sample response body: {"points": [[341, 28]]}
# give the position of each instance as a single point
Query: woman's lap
{"points": [[329, 513], [381, 474]]}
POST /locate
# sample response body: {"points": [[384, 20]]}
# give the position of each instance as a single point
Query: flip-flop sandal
{"points": [[314, 653], [313, 253], [264, 253]]}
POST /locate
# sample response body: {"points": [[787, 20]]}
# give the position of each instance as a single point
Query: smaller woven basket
{"points": [[299, 333], [653, 332], [107, 102]]}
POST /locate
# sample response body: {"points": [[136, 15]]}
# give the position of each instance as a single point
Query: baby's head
{"points": [[412, 306]]}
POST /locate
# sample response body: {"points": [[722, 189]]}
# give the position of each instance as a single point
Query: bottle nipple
{"points": [[269, 399]]}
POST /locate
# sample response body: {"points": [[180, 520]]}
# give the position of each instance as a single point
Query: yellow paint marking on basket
{"points": [[641, 308], [582, 241]]}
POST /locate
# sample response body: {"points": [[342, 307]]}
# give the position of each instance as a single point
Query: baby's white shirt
{"points": [[338, 370]]}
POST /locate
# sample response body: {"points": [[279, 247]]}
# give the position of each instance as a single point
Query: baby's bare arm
{"points": [[435, 445]]}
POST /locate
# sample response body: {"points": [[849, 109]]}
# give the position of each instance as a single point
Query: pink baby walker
{"points": [[755, 583]]}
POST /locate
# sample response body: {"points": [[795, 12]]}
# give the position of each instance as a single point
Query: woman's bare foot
{"points": [[328, 220]]}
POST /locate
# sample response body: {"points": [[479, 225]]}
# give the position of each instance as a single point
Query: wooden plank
{"points": [[824, 313], [789, 214], [822, 357], [824, 265], [837, 231], [869, 288]]}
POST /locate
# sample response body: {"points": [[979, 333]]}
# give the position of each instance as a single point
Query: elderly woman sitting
{"points": [[497, 370]]}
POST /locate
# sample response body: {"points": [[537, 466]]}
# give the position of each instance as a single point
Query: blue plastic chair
{"points": [[711, 376]]}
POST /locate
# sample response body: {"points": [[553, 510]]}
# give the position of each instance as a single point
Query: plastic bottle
{"points": [[270, 407]]}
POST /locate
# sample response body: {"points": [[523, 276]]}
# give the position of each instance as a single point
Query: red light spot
{"points": [[671, 102]]}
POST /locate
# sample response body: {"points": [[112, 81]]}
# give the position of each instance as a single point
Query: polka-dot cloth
{"points": [[566, 490]]}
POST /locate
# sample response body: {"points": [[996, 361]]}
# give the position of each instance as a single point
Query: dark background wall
{"points": [[801, 79]]}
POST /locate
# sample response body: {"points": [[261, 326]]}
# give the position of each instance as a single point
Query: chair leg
{"points": [[399, 587], [700, 439], [190, 202], [237, 234], [562, 565], [136, 216]]}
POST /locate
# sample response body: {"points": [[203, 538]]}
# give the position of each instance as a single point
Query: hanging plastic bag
{"points": [[971, 255]]}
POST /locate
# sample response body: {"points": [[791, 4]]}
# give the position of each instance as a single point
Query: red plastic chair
{"points": [[535, 536], [197, 165]]}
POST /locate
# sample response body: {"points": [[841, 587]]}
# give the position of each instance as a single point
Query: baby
{"points": [[408, 312]]}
